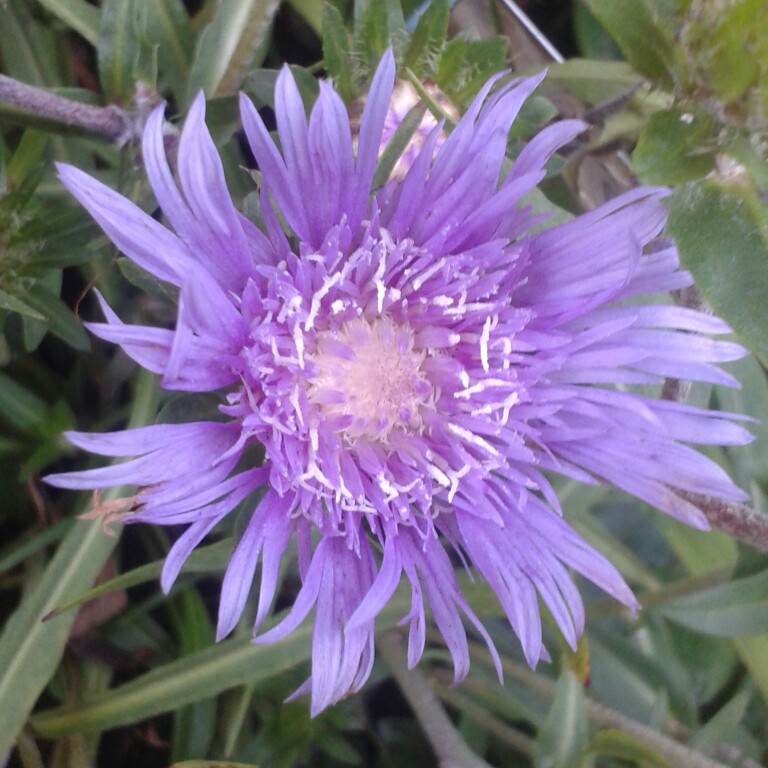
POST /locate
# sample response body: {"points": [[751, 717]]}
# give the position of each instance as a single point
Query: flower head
{"points": [[413, 360]]}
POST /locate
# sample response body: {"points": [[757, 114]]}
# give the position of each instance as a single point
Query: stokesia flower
{"points": [[413, 360]]}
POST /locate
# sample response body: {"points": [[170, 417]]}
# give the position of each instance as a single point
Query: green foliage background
{"points": [[680, 85]]}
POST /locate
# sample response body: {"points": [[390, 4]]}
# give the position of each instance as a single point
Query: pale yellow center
{"points": [[368, 370]]}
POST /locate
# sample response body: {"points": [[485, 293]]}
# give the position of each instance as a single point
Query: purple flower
{"points": [[413, 360]]}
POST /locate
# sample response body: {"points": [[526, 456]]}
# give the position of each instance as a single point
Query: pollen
{"points": [[368, 379]]}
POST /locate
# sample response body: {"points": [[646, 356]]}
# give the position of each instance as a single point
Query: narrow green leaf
{"points": [[643, 36], [737, 609], [565, 733], [378, 23], [428, 38], [209, 559], [594, 82], [30, 650], [194, 723], [30, 51], [720, 729], [78, 15], [31, 543], [118, 48], [61, 321], [19, 407], [754, 653], [701, 552], [12, 304], [337, 54], [592, 39], [397, 144], [231, 44], [24, 166], [623, 746], [465, 65], [193, 678], [169, 30], [722, 237]]}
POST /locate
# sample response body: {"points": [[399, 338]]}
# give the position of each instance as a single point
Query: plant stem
{"points": [[737, 520], [450, 748], [110, 122]]}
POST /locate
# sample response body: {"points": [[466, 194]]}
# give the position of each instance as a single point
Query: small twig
{"points": [[450, 748], [110, 122], [743, 523]]}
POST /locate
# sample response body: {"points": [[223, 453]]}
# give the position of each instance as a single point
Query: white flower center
{"points": [[368, 379]]}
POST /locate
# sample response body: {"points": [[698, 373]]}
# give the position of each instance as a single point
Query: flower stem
{"points": [[450, 748], [110, 122]]}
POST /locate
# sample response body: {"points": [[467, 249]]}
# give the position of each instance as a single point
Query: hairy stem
{"points": [[737, 520], [110, 122]]}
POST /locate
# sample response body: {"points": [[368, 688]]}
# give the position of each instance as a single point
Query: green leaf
{"points": [[397, 144], [750, 399], [378, 24], [592, 39], [12, 304], [565, 733], [722, 236], [168, 29], [30, 650], [61, 321], [594, 82], [209, 559], [645, 38], [613, 743], [31, 543], [233, 42], [194, 678], [78, 15], [428, 38], [145, 281], [194, 723], [465, 65], [337, 54], [737, 609], [675, 146], [19, 407], [118, 48], [30, 51], [700, 552], [754, 653], [721, 727]]}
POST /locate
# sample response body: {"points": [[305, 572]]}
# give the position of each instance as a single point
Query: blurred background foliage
{"points": [[675, 92]]}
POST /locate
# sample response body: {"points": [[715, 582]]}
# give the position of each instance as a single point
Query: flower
{"points": [[413, 360]]}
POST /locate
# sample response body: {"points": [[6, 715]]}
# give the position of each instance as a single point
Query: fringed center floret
{"points": [[369, 373], [382, 378]]}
